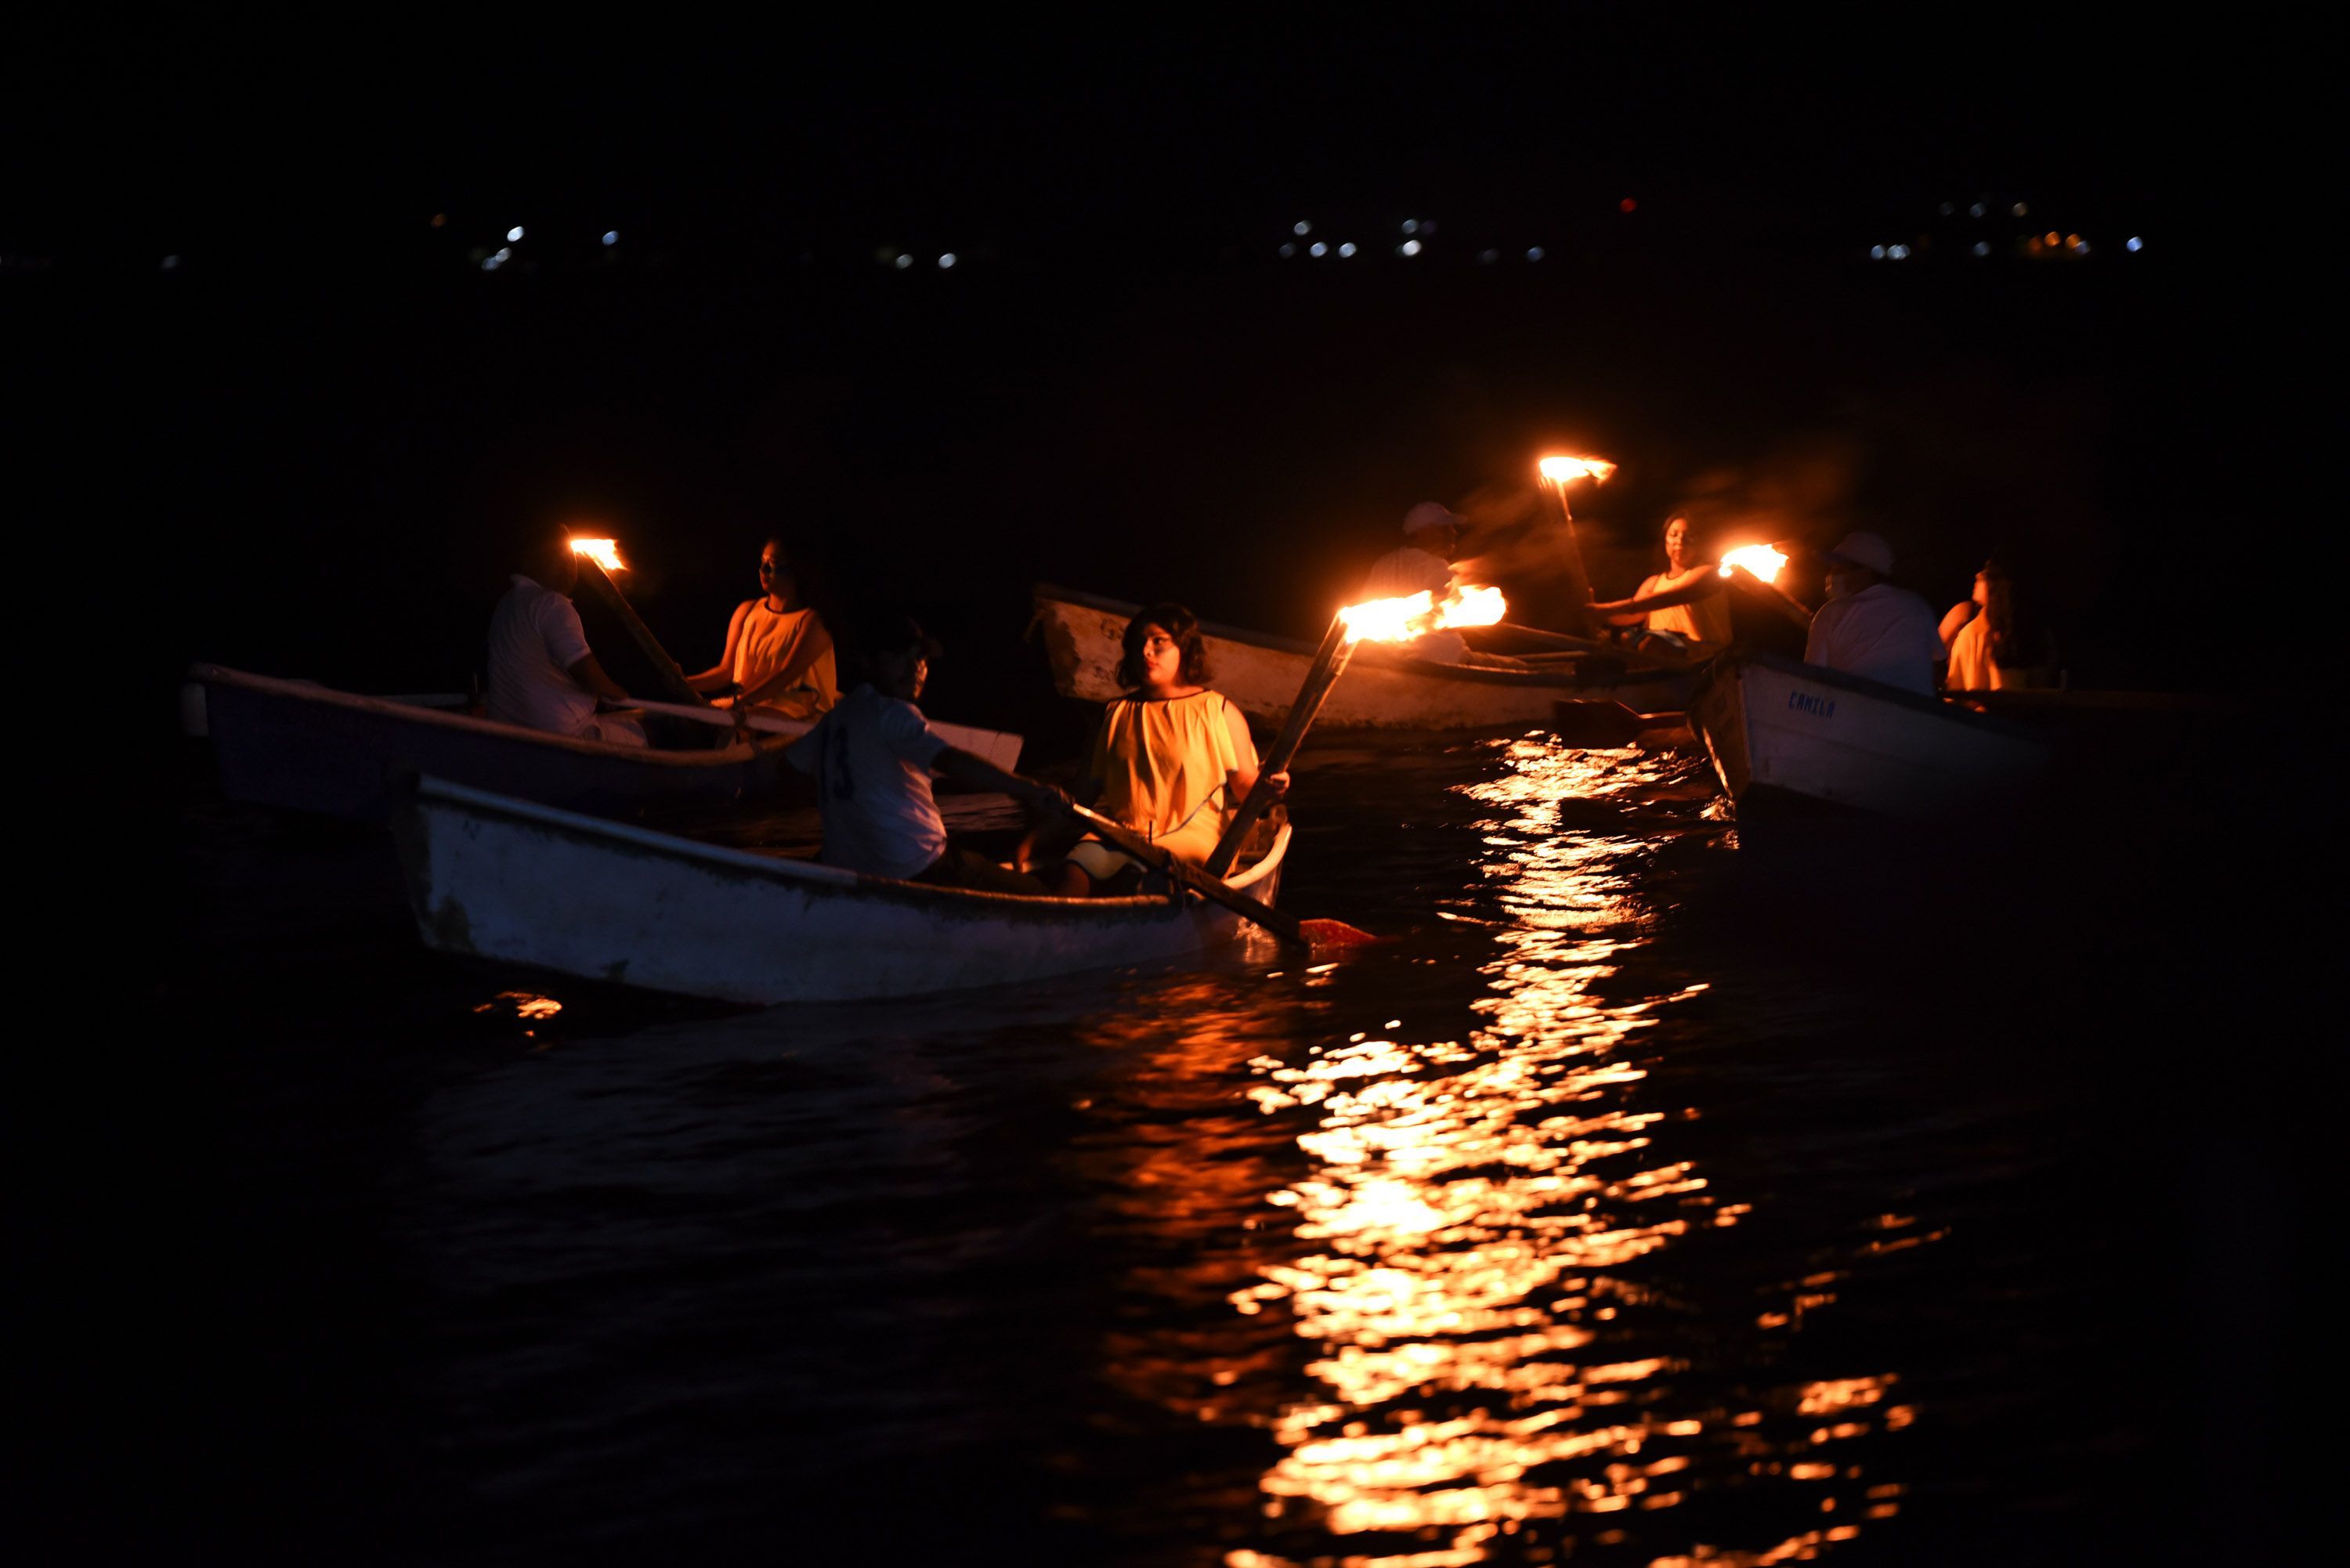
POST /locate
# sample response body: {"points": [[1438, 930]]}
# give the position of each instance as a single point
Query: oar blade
{"points": [[1334, 934]]}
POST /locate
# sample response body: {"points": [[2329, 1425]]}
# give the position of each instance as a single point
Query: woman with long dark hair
{"points": [[1174, 760], [1996, 642], [779, 655]]}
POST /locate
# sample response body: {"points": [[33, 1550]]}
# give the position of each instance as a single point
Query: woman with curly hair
{"points": [[1174, 760]]}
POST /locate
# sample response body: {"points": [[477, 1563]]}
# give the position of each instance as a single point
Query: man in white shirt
{"points": [[1870, 628], [873, 754], [1424, 565], [542, 675]]}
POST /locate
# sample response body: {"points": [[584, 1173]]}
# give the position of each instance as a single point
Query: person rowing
{"points": [[1173, 759], [872, 755], [542, 676], [1695, 614], [779, 654]]}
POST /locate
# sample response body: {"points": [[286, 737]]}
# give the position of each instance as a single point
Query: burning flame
{"points": [[1760, 560], [1560, 470], [604, 553], [1415, 615]]}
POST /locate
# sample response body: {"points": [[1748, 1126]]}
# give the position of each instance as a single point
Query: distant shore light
{"points": [[1627, 206], [1410, 247], [1318, 249], [903, 261], [1346, 249], [515, 232], [1982, 247], [1412, 225], [2134, 244], [1976, 211], [611, 236], [2019, 209], [1288, 250], [1489, 256], [1876, 253], [947, 259], [1534, 253], [1300, 228]]}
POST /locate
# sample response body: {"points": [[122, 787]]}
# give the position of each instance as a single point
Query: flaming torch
{"points": [[603, 556], [1558, 472], [1759, 565], [1375, 620]]}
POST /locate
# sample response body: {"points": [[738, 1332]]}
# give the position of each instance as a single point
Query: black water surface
{"points": [[1638, 1199]]}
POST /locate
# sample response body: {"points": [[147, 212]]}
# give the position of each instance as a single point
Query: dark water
{"points": [[1642, 1199]]}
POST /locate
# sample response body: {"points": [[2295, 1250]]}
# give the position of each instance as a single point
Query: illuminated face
{"points": [[1676, 543], [775, 574], [902, 674], [1982, 590], [1162, 659]]}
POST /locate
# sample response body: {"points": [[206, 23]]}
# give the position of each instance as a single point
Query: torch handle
{"points": [[665, 669], [1772, 594], [1578, 612], [1329, 663]]}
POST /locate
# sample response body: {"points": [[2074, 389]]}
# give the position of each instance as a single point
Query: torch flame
{"points": [[604, 553], [1560, 470], [1415, 615], [1762, 560]]}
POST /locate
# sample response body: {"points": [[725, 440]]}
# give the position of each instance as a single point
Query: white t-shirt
{"points": [[1412, 570], [1409, 570], [871, 756], [1882, 633], [535, 639]]}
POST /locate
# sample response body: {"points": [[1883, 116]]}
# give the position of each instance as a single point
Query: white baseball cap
{"points": [[1865, 550], [1429, 514]]}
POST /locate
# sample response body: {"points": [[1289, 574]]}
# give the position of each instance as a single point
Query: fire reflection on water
{"points": [[1489, 1364]]}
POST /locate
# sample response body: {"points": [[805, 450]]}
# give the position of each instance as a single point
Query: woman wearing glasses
{"points": [[778, 655]]}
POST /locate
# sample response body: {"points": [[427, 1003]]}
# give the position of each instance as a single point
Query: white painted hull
{"points": [[1786, 734], [1382, 687], [495, 877]]}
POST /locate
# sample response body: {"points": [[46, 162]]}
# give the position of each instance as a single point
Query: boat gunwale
{"points": [[812, 874], [205, 674], [1382, 655], [1729, 664]]}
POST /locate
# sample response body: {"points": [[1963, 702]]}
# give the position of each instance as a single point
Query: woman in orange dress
{"points": [[779, 656]]}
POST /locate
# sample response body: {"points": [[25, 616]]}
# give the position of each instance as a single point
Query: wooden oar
{"points": [[1288, 928], [998, 746], [665, 669], [1329, 663], [1595, 646]]}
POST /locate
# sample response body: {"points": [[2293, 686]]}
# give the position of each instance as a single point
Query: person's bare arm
{"points": [[1704, 588], [978, 773], [590, 677], [1238, 782], [1956, 620], [720, 675]]}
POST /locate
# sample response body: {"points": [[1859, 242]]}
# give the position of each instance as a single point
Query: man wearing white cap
{"points": [[1424, 565], [1870, 628]]}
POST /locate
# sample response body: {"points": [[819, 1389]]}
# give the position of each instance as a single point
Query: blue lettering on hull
{"points": [[1804, 702]]}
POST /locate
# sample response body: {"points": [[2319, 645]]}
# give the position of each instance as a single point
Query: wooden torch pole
{"points": [[1329, 663], [665, 669], [1578, 615]]}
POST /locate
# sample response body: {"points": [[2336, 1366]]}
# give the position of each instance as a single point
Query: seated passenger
{"points": [[1995, 644], [542, 675], [872, 755], [1432, 535], [1706, 621], [1174, 760], [779, 654], [1870, 628]]}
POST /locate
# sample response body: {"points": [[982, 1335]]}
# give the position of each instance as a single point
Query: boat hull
{"points": [[1788, 738], [494, 877], [1383, 688], [304, 747]]}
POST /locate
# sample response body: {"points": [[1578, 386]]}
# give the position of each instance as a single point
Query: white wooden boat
{"points": [[1384, 686], [1787, 737], [298, 744], [495, 877]]}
